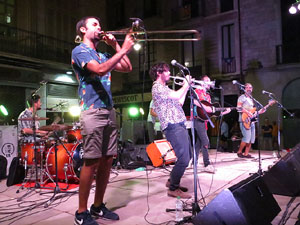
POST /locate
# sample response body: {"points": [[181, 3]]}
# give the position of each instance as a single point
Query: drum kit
{"points": [[58, 158]]}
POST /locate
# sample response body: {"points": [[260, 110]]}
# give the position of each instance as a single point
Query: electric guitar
{"points": [[218, 110], [248, 119]]}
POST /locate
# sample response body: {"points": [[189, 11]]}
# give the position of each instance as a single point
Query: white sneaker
{"points": [[209, 169]]}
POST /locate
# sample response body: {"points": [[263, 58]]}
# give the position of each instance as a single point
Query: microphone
{"points": [[43, 82], [266, 92], [175, 63], [235, 82]]}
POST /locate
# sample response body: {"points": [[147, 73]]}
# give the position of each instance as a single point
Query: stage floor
{"points": [[139, 197]]}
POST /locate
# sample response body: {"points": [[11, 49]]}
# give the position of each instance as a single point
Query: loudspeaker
{"points": [[284, 177], [3, 165], [16, 172], [134, 156], [161, 152], [246, 203]]}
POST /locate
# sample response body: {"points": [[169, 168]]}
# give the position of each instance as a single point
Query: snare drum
{"points": [[27, 153], [66, 165]]}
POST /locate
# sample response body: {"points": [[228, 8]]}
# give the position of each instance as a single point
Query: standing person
{"points": [[98, 119], [168, 106], [202, 140], [275, 136], [153, 123], [224, 135], [267, 129], [25, 127], [246, 103]]}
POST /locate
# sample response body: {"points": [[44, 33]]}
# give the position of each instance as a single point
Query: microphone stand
{"points": [[195, 207], [279, 106]]}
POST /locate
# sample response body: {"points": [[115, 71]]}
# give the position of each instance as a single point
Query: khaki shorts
{"points": [[100, 133]]}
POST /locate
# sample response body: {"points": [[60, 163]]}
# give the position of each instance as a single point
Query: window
{"points": [[226, 5], [228, 50], [7, 12], [191, 55]]}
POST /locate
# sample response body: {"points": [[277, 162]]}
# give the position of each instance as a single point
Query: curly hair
{"points": [[158, 68]]}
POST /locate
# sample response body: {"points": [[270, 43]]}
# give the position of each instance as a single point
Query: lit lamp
{"points": [[133, 112], [3, 110], [74, 111], [293, 9]]}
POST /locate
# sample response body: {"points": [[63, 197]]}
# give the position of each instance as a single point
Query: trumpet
{"points": [[195, 83]]}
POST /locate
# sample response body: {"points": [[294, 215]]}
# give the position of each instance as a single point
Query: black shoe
{"points": [[240, 155], [103, 212], [184, 189], [84, 218], [248, 156]]}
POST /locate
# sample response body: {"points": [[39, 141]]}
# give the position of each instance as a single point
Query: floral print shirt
{"points": [[169, 111]]}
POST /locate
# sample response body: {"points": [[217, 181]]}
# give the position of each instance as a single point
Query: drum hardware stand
{"points": [[57, 188]]}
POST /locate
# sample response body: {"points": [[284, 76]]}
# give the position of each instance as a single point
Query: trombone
{"points": [[141, 36], [195, 83]]}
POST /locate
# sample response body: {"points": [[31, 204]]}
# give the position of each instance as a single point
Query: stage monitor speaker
{"points": [[161, 152], [284, 177], [246, 203]]}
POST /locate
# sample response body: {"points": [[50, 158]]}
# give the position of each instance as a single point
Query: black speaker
{"points": [[16, 172], [246, 203], [284, 177], [134, 156], [3, 167]]}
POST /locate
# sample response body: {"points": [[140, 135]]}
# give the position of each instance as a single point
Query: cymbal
{"points": [[36, 118], [56, 127]]}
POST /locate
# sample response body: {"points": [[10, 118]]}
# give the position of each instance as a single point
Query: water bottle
{"points": [[179, 210]]}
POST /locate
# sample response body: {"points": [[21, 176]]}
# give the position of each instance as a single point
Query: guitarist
{"points": [[202, 141], [246, 103]]}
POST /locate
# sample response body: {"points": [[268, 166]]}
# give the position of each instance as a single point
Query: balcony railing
{"points": [[228, 65], [30, 44]]}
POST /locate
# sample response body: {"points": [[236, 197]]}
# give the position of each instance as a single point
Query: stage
{"points": [[140, 196]]}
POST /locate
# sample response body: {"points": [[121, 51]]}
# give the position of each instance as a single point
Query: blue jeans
{"points": [[179, 138], [202, 141]]}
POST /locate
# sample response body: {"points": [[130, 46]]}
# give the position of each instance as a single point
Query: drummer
{"points": [[25, 121]]}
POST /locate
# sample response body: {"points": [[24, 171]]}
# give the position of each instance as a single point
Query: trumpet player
{"points": [[93, 71], [168, 107]]}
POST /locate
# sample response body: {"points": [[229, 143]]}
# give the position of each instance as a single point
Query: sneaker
{"points": [[248, 156], [103, 212], [184, 189], [84, 218], [240, 155], [179, 193], [209, 169]]}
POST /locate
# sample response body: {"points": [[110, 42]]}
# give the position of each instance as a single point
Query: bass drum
{"points": [[68, 165]]}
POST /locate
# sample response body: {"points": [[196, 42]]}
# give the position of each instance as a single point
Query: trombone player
{"points": [[98, 119]]}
